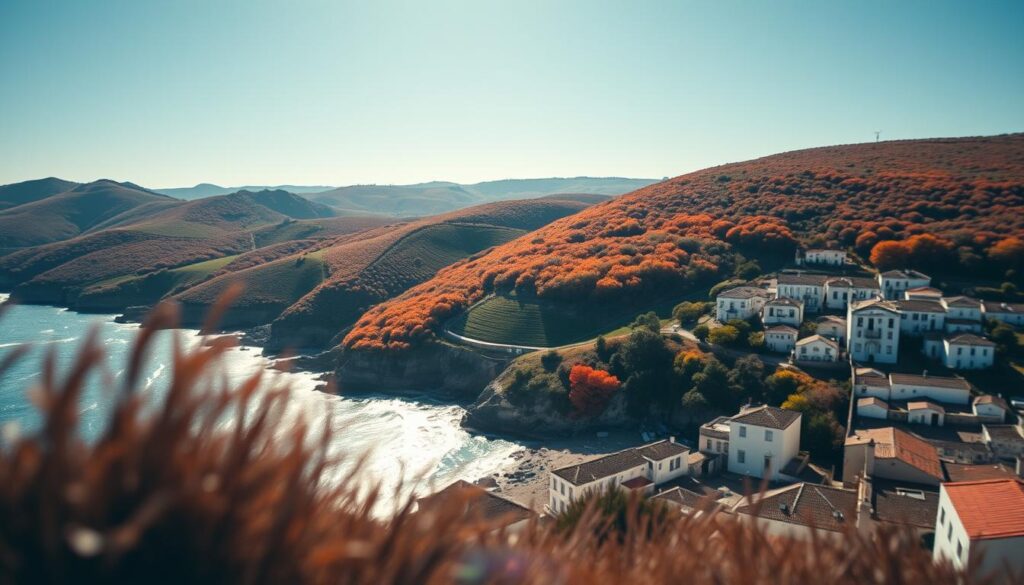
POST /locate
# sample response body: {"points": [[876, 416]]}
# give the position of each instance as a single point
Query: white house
{"points": [[840, 291], [991, 406], [872, 407], [806, 288], [1009, 313], [833, 328], [816, 349], [923, 412], [981, 520], [780, 338], [950, 390], [714, 436], [821, 257], [891, 453], [762, 440], [962, 314], [873, 331], [922, 293], [966, 351], [783, 311], [894, 283], [638, 468], [918, 317], [742, 302]]}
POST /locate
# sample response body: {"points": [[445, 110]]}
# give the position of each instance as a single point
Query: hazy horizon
{"points": [[170, 95]]}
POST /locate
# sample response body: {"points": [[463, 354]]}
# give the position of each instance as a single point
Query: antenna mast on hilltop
{"points": [[877, 134]]}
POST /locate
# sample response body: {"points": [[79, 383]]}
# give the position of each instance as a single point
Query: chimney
{"points": [[924, 374], [672, 439]]}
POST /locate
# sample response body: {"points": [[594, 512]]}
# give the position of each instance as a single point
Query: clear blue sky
{"points": [[259, 92]]}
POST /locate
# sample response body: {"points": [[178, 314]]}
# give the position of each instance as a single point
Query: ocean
{"points": [[404, 439]]}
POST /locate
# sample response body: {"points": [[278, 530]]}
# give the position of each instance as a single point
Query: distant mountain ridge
{"points": [[442, 196], [209, 190]]}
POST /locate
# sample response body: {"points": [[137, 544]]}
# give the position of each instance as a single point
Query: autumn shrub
{"points": [[590, 390]]}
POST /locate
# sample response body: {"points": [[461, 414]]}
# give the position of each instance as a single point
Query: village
{"points": [[924, 449]]}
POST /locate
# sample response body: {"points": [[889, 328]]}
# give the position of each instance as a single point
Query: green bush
{"points": [[725, 335], [701, 332], [550, 360], [688, 312]]}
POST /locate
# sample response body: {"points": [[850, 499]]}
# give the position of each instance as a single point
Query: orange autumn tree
{"points": [[590, 390]]}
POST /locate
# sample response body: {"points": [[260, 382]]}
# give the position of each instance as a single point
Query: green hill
{"points": [[29, 191], [71, 213]]}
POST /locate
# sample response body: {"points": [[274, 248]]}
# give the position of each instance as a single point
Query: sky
{"points": [[169, 94]]}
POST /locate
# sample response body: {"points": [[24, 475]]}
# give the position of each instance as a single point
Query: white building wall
{"points": [[989, 410], [782, 314], [780, 342], [919, 323], [754, 448], [893, 288], [950, 535], [919, 391], [669, 469], [926, 416], [873, 335], [872, 411], [968, 357], [727, 309], [1016, 319], [812, 295], [816, 351]]}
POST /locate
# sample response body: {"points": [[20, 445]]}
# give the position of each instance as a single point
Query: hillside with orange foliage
{"points": [[967, 192], [384, 262]]}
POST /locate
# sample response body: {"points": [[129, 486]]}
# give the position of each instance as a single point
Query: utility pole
{"points": [[877, 134]]}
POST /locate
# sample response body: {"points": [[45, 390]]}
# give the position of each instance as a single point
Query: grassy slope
{"points": [[634, 247], [29, 191], [388, 261], [70, 213], [184, 234]]}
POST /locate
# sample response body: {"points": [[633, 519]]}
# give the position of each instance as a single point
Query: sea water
{"points": [[414, 442]]}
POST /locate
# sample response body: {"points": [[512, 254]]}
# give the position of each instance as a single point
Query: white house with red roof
{"points": [[981, 520]]}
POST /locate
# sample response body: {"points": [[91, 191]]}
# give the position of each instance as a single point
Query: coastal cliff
{"points": [[494, 413], [434, 366]]}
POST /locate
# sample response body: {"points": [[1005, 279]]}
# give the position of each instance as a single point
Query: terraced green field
{"points": [[533, 322], [422, 253]]}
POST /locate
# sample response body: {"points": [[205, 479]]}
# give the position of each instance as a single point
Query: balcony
{"points": [[872, 334]]}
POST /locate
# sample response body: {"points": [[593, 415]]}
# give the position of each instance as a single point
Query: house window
{"points": [[942, 517], [708, 444], [741, 456], [743, 431], [768, 436], [959, 550], [949, 533], [563, 489]]}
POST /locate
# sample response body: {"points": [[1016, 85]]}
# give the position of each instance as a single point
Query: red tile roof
{"points": [[989, 508], [893, 443]]}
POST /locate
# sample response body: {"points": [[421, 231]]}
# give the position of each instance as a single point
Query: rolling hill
{"points": [[29, 191], [209, 190], [441, 196], [72, 212], [961, 200], [106, 260], [384, 262]]}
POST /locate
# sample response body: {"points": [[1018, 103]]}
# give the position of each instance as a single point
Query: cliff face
{"points": [[435, 367], [494, 413]]}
